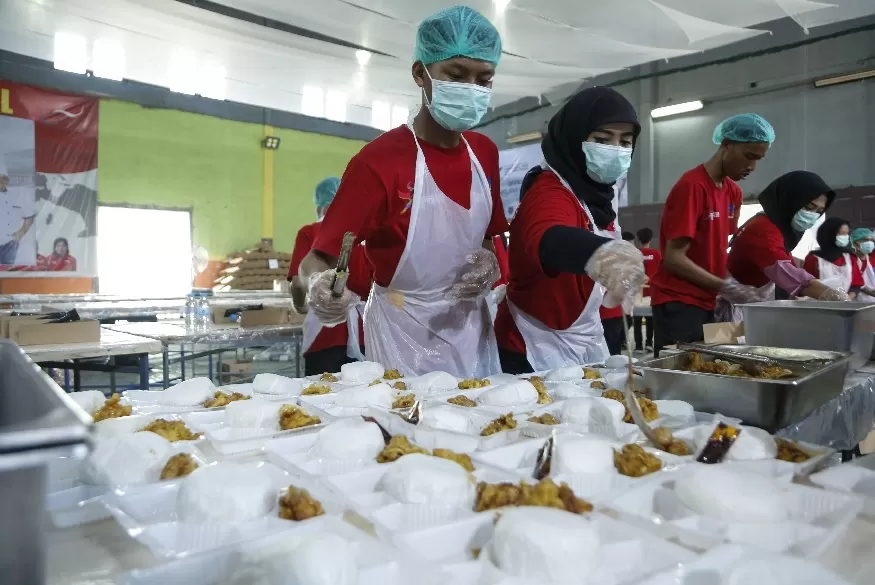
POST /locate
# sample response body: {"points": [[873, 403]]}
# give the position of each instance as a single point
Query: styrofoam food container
{"points": [[852, 479], [377, 562], [234, 441], [818, 517], [125, 425], [739, 565], [537, 430], [293, 453], [149, 515]]}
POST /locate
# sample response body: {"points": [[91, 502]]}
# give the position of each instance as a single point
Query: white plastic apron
{"points": [[837, 277], [411, 325], [312, 327], [868, 281], [581, 343]]}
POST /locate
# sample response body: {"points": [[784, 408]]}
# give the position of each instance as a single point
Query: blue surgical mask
{"points": [[867, 247], [843, 241], [457, 106], [606, 163], [804, 220]]}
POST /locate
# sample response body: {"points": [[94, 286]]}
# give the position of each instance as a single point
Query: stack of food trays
{"points": [[447, 476]]}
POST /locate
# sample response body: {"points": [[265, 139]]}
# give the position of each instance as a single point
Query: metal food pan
{"points": [[768, 404], [817, 325]]}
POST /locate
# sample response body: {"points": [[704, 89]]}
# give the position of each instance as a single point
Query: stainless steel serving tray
{"points": [[768, 404], [816, 325]]}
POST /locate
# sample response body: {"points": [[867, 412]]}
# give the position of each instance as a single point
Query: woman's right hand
{"points": [[619, 267]]}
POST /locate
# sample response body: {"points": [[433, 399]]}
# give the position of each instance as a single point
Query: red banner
{"points": [[48, 181]]}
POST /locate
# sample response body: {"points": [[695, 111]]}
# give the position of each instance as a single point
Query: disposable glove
{"points": [[480, 272], [330, 311], [619, 267]]}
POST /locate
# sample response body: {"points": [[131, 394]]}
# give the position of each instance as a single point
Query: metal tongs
{"points": [[747, 356], [632, 402], [341, 273]]}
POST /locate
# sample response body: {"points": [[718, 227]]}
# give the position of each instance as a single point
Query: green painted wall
{"points": [[302, 161], [169, 158]]}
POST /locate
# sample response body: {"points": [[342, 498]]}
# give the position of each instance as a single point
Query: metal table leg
{"points": [[144, 371], [165, 358], [219, 367], [112, 380]]}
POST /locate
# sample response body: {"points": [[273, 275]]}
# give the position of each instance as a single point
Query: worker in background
{"points": [[863, 240], [832, 262], [566, 255], [700, 214], [761, 253], [651, 261], [327, 348], [426, 198]]}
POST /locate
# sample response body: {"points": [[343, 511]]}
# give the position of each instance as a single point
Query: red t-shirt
{"points": [[698, 209], [652, 258], [759, 245], [359, 282], [501, 256], [556, 300], [376, 191]]}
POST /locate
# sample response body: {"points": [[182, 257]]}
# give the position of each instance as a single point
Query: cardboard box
{"points": [[33, 332], [723, 333], [265, 316], [5, 320], [235, 370], [219, 317]]}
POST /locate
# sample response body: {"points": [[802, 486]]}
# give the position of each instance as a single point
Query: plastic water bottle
{"points": [[189, 311], [204, 315]]}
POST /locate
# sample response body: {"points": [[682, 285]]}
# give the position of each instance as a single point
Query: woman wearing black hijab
{"points": [[832, 262], [566, 256], [760, 255]]}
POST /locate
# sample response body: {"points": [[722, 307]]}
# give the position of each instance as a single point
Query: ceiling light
{"points": [[213, 82], [500, 5], [858, 76], [381, 115], [313, 102], [182, 73], [71, 53], [335, 106], [108, 59], [527, 137], [362, 57], [675, 109]]}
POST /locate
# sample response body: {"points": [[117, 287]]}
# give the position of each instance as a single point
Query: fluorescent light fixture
{"points": [[213, 82], [858, 76], [399, 115], [313, 102], [182, 73], [527, 137], [500, 5], [71, 53], [335, 106], [362, 57], [675, 109], [108, 59], [381, 115]]}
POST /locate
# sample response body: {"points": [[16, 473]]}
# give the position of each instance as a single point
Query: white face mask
{"points": [[606, 163], [842, 241]]}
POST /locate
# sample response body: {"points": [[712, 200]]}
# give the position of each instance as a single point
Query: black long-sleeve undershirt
{"points": [[568, 249]]}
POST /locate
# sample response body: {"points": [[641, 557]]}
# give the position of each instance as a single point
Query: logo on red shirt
{"points": [[714, 215], [731, 211], [406, 196]]}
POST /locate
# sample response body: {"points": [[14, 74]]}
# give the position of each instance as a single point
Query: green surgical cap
{"points": [[325, 191], [861, 234], [744, 128], [459, 31]]}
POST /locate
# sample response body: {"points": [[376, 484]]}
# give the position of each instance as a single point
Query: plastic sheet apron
{"points": [[837, 277], [868, 281], [312, 327], [410, 325], [581, 343]]}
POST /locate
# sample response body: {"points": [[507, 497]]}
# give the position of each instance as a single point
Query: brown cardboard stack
{"points": [[253, 269], [34, 330]]}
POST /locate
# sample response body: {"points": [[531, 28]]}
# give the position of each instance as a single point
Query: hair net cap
{"points": [[744, 128], [861, 234], [325, 191], [459, 31]]}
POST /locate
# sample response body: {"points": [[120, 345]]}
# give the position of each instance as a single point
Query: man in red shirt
{"points": [[700, 214], [426, 198], [326, 349], [652, 258]]}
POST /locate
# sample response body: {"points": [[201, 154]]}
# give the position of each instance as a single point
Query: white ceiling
{"points": [[549, 42]]}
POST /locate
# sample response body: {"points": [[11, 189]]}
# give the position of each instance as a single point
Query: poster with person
{"points": [[48, 182]]}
